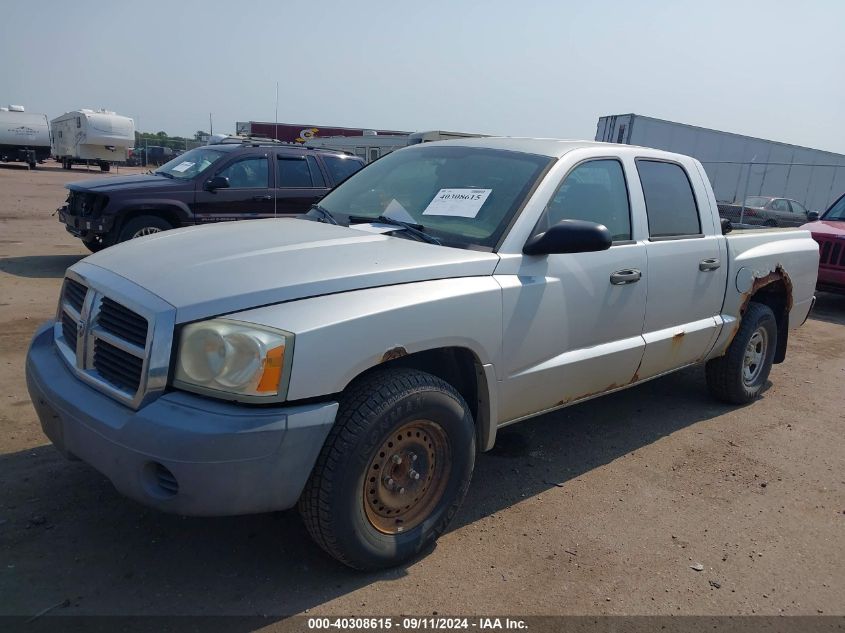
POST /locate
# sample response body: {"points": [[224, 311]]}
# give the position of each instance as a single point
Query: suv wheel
{"points": [[141, 226], [95, 243]]}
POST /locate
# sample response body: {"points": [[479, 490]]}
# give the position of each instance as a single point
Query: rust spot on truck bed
{"points": [[393, 353]]}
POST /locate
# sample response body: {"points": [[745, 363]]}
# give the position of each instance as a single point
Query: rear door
{"points": [[686, 268], [248, 196], [299, 183]]}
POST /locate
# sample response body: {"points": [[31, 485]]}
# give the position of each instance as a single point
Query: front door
{"points": [[573, 323], [248, 196]]}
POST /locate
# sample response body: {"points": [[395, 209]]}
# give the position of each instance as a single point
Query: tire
{"points": [[141, 226], [739, 376], [105, 167], [355, 473], [95, 243], [32, 165]]}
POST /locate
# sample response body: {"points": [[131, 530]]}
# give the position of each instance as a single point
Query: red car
{"points": [[829, 231]]}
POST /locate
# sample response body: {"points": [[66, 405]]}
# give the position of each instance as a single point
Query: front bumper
{"points": [[831, 279], [82, 226], [181, 453]]}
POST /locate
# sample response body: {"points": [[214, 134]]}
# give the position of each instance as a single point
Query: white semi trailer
{"points": [[738, 166], [24, 136], [97, 137]]}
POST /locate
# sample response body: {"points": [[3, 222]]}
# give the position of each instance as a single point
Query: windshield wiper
{"points": [[417, 230], [325, 215]]}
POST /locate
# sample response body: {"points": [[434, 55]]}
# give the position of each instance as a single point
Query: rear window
{"points": [[340, 168], [669, 200]]}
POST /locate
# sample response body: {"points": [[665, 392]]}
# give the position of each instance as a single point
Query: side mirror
{"points": [[218, 182], [812, 216], [570, 236], [727, 227]]}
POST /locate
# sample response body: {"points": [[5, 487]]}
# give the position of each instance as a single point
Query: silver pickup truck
{"points": [[354, 360]]}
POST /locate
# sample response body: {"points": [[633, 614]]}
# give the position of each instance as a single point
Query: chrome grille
{"points": [[74, 294], [122, 322], [69, 330], [105, 332], [117, 366]]}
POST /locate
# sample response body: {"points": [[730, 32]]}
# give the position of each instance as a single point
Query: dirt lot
{"points": [[601, 508]]}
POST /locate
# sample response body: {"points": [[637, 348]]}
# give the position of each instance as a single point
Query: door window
{"points": [[293, 172], [316, 172], [780, 204], [797, 208], [669, 200], [249, 173], [594, 191], [341, 168]]}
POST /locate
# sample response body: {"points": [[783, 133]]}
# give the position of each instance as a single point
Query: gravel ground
{"points": [[608, 507]]}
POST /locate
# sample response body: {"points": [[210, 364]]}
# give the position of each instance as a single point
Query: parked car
{"points": [[829, 231], [354, 364], [212, 183], [765, 211]]}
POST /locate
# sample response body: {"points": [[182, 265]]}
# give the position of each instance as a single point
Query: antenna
{"points": [[276, 136]]}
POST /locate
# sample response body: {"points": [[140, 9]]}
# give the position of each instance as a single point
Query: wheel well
{"points": [[459, 367], [169, 214], [776, 295]]}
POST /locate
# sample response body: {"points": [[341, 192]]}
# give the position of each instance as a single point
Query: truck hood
{"points": [[110, 184], [826, 227], [232, 266]]}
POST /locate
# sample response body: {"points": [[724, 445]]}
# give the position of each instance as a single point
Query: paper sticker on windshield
{"points": [[185, 166], [461, 203]]}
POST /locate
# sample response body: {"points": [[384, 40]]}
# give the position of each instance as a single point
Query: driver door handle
{"points": [[709, 264], [627, 276], [262, 198]]}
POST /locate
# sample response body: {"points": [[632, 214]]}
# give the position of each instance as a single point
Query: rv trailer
{"points": [[92, 137], [24, 136]]}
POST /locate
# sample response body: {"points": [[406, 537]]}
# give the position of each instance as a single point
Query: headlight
{"points": [[231, 358]]}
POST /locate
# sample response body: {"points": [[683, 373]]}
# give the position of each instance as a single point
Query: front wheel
{"points": [[393, 470], [141, 226], [738, 377]]}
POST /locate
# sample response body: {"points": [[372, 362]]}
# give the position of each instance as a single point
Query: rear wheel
{"points": [[393, 470], [738, 377], [105, 167], [143, 225]]}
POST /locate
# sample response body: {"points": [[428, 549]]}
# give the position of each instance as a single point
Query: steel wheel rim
{"points": [[755, 356], [406, 476], [147, 230]]}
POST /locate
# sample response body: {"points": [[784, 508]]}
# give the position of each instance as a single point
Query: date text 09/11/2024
{"points": [[415, 623]]}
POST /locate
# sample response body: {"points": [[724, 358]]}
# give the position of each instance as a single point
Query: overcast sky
{"points": [[773, 69]]}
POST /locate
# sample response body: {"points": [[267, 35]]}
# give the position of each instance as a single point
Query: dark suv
{"points": [[213, 183]]}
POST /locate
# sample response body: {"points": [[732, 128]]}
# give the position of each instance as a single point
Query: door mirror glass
{"points": [[570, 236], [218, 182], [727, 227], [812, 216]]}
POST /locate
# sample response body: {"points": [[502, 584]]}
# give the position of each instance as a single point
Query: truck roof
{"points": [[552, 147]]}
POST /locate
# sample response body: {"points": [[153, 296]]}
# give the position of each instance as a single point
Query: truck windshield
{"points": [[190, 163], [464, 196], [836, 211]]}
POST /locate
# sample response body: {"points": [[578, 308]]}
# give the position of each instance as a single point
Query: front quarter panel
{"points": [[339, 336]]}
